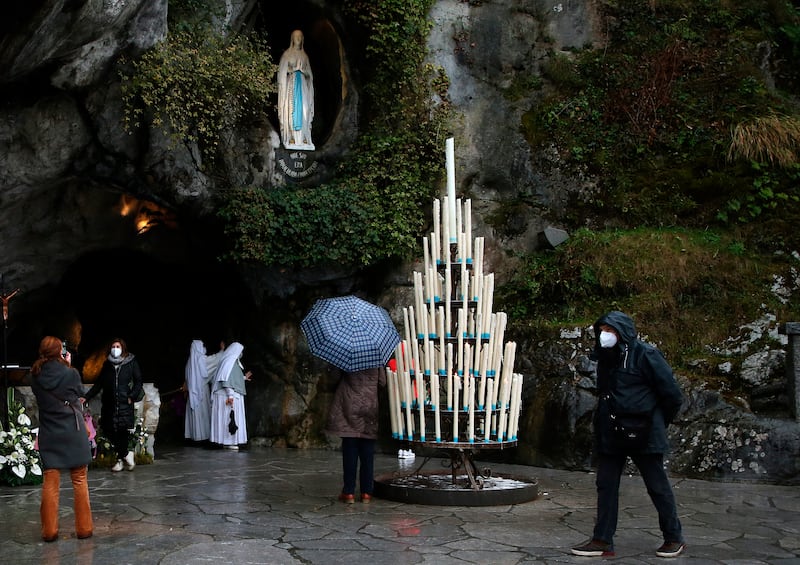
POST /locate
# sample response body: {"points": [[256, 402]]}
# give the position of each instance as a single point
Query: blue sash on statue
{"points": [[297, 103]]}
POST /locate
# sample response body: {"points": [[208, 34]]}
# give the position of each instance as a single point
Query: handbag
{"points": [[232, 427]]}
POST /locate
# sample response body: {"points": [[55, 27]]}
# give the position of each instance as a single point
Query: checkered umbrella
{"points": [[350, 333]]}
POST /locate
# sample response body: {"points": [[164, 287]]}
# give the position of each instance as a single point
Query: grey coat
{"points": [[63, 442], [635, 376], [354, 411]]}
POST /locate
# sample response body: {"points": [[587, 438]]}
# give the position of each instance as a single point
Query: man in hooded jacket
{"points": [[632, 377]]}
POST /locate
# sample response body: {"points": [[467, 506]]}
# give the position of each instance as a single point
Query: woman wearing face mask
{"points": [[120, 381]]}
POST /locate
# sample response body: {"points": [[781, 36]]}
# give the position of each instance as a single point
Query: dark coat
{"points": [[354, 411], [120, 383], [63, 442], [634, 376]]}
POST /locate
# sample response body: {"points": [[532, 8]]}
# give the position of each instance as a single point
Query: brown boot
{"points": [[49, 507], [83, 509]]}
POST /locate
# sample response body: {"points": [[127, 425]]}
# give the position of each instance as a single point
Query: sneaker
{"points": [[347, 498], [117, 466], [594, 548], [671, 549], [129, 462], [366, 498]]}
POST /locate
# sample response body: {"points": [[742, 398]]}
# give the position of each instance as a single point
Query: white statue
{"points": [[295, 95]]}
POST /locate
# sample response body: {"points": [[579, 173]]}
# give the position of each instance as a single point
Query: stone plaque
{"points": [[296, 165]]}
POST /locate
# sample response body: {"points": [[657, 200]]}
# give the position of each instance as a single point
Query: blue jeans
{"points": [[355, 450], [651, 467]]}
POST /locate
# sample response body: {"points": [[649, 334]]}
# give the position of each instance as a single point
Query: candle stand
{"points": [[452, 387]]}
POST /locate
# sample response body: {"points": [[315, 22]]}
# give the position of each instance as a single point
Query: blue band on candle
{"points": [[480, 407], [513, 438], [460, 372], [469, 260], [490, 373], [442, 372], [438, 440], [472, 440], [410, 437], [453, 240], [427, 372], [448, 334], [485, 336], [411, 372], [421, 438], [437, 298], [420, 336], [466, 408], [402, 404], [432, 336]]}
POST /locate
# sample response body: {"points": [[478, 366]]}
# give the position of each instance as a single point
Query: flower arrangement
{"points": [[138, 439], [19, 459], [104, 455]]}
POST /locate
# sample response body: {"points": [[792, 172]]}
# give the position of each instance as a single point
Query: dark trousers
{"points": [[119, 439], [651, 467], [355, 450]]}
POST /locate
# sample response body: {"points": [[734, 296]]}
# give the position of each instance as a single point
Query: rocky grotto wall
{"points": [[106, 233]]}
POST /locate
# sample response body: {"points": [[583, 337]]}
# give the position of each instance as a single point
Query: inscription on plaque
{"points": [[297, 165]]}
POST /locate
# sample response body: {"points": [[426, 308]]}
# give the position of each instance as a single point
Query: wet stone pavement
{"points": [[279, 506]]}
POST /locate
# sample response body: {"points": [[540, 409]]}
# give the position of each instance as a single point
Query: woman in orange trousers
{"points": [[63, 441]]}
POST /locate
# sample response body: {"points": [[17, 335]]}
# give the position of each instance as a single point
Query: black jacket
{"points": [[634, 376], [120, 383]]}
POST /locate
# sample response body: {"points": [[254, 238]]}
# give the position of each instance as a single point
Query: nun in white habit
{"points": [[228, 424], [199, 369]]}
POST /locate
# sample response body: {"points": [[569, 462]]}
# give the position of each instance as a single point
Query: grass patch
{"points": [[673, 282]]}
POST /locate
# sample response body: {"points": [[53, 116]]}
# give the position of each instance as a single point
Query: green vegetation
{"points": [[674, 116], [197, 84], [672, 281]]}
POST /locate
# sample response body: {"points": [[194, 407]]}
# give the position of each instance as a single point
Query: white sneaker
{"points": [[117, 466], [129, 461]]}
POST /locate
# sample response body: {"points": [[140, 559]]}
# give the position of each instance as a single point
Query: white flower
{"points": [[19, 470], [23, 420], [35, 469]]}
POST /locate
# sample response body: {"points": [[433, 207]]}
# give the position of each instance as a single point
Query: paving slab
{"points": [[279, 506]]}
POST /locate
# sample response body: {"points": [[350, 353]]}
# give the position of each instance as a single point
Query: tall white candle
{"points": [[468, 227], [440, 365], [450, 162], [436, 237], [487, 425], [467, 371], [471, 409], [456, 387], [390, 377], [445, 231], [449, 381], [448, 291]]}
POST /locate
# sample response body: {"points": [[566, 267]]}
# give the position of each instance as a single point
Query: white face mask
{"points": [[608, 339], [116, 352]]}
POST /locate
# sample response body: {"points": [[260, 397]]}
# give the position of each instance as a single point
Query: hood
{"points": [[620, 322]]}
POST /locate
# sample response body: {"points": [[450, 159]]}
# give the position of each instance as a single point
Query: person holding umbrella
{"points": [[354, 418], [358, 338]]}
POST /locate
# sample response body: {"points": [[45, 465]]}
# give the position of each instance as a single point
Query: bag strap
{"points": [[68, 403]]}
